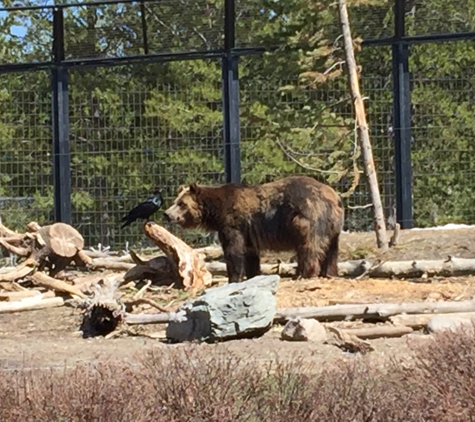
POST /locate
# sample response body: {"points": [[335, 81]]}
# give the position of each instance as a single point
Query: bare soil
{"points": [[49, 338]]}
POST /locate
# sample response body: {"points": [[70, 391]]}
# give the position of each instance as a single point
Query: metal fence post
{"points": [[60, 119], [402, 120], [231, 129]]}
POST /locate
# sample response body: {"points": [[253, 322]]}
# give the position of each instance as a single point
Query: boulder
{"points": [[304, 330], [441, 322], [235, 310]]}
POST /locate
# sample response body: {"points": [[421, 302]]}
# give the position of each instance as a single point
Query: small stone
{"points": [[304, 330], [440, 323]]}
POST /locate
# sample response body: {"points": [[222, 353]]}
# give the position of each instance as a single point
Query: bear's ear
{"points": [[194, 188]]}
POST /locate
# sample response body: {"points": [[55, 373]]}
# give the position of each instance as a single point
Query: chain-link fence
{"points": [[151, 89]]}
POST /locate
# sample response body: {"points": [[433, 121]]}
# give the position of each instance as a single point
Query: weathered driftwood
{"points": [[21, 271], [6, 232], [379, 331], [412, 269], [160, 270], [347, 341], [9, 243], [282, 269], [14, 296], [188, 265], [373, 311], [111, 264], [50, 247], [139, 319], [104, 312], [211, 253], [417, 321], [144, 301], [44, 280], [11, 286], [366, 268], [85, 282], [362, 128], [31, 303]]}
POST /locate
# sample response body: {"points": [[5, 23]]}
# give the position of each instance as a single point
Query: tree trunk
{"points": [[380, 311], [363, 132]]}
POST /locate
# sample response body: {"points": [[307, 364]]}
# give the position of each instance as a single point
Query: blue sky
{"points": [[21, 30]]}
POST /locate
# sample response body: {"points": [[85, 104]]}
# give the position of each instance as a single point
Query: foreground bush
{"points": [[437, 383]]}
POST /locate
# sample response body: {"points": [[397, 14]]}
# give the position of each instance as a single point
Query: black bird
{"points": [[144, 210]]}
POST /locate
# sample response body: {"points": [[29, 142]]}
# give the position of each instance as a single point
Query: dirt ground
{"points": [[49, 338]]}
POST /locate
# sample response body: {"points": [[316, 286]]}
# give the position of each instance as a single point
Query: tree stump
{"points": [[103, 312], [49, 248]]}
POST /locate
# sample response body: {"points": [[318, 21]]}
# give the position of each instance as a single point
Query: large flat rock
{"points": [[235, 310]]}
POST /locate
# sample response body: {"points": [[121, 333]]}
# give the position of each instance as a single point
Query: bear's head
{"points": [[186, 210]]}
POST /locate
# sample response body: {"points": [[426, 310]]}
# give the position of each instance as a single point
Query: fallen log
{"points": [[282, 269], [380, 311], [110, 264], [414, 269], [103, 312], [44, 280], [31, 303], [160, 270], [22, 270], [138, 319], [417, 321], [398, 269], [14, 296], [368, 333], [210, 253], [84, 283], [9, 244], [11, 286], [6, 232]]}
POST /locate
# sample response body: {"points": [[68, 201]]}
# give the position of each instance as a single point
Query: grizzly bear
{"points": [[294, 213]]}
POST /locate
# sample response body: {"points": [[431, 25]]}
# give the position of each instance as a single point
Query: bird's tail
{"points": [[125, 220]]}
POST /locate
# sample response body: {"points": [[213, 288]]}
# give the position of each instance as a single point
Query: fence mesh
{"points": [[26, 183], [144, 133], [133, 128], [443, 134]]}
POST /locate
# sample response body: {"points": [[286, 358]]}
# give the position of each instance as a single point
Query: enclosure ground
{"points": [[49, 337]]}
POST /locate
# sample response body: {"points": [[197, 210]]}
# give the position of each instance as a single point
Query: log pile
{"points": [[54, 269]]}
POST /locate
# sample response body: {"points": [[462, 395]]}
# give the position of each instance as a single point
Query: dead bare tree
{"points": [[362, 129]]}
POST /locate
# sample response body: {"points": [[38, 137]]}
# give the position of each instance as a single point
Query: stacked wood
{"points": [[54, 269]]}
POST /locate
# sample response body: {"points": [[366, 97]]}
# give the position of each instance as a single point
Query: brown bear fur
{"points": [[295, 213]]}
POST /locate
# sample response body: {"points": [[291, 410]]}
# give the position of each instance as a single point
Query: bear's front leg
{"points": [[234, 250]]}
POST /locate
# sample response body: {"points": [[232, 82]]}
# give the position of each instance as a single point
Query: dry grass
{"points": [[189, 385]]}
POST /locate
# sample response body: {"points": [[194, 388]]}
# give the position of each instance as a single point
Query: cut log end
{"points": [[63, 239]]}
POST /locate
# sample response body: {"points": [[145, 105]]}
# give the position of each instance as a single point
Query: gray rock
{"points": [[235, 310], [304, 330], [440, 323]]}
